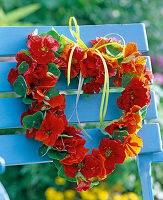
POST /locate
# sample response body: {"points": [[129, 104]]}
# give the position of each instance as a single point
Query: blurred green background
{"points": [[40, 181]]}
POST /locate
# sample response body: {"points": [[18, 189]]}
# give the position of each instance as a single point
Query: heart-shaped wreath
{"points": [[35, 76]]}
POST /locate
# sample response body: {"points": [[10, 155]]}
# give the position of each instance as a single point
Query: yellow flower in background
{"points": [[119, 197], [69, 194], [60, 181], [131, 196], [127, 196], [59, 196], [88, 195], [103, 195], [50, 193]]}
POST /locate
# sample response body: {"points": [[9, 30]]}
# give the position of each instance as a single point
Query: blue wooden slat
{"points": [[150, 134], [14, 147], [13, 39], [147, 133], [5, 86], [88, 109]]}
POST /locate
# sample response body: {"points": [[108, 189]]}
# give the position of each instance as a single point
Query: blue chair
{"points": [[18, 150]]}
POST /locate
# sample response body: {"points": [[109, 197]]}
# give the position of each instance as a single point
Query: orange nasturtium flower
{"points": [[132, 145], [132, 120]]}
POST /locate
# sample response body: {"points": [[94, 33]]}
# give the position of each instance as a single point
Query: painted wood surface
{"points": [[88, 109], [13, 39], [5, 86], [17, 149]]}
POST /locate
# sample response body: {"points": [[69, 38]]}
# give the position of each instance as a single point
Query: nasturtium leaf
{"points": [[52, 68], [86, 95], [129, 59], [114, 49], [42, 34], [119, 135], [126, 78], [20, 86], [57, 164], [26, 52], [52, 92], [120, 59], [34, 120], [142, 112], [57, 155], [62, 40], [43, 150], [62, 43], [27, 100], [103, 131], [79, 174], [87, 80], [57, 54], [54, 34], [23, 67], [94, 184]]}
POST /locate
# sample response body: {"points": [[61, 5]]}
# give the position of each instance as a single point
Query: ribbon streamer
{"points": [[105, 90]]}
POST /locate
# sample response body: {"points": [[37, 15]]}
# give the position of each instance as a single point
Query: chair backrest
{"points": [[16, 148]]}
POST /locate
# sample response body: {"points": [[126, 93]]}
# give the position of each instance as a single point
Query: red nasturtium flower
{"points": [[76, 57], [39, 81], [137, 93], [136, 66], [77, 156], [83, 184], [13, 75], [114, 126], [92, 65], [31, 132], [71, 142], [92, 86], [113, 152], [101, 41], [91, 166], [41, 48], [50, 128], [54, 102], [20, 57]]}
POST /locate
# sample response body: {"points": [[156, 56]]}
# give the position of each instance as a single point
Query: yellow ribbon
{"points": [[80, 43], [105, 90], [76, 35], [69, 65], [110, 42]]}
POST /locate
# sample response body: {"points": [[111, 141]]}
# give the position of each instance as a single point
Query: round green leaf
{"points": [[43, 150], [114, 49], [20, 86], [52, 92], [57, 155], [54, 34], [126, 78], [34, 120], [52, 68], [119, 135], [23, 67]]}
